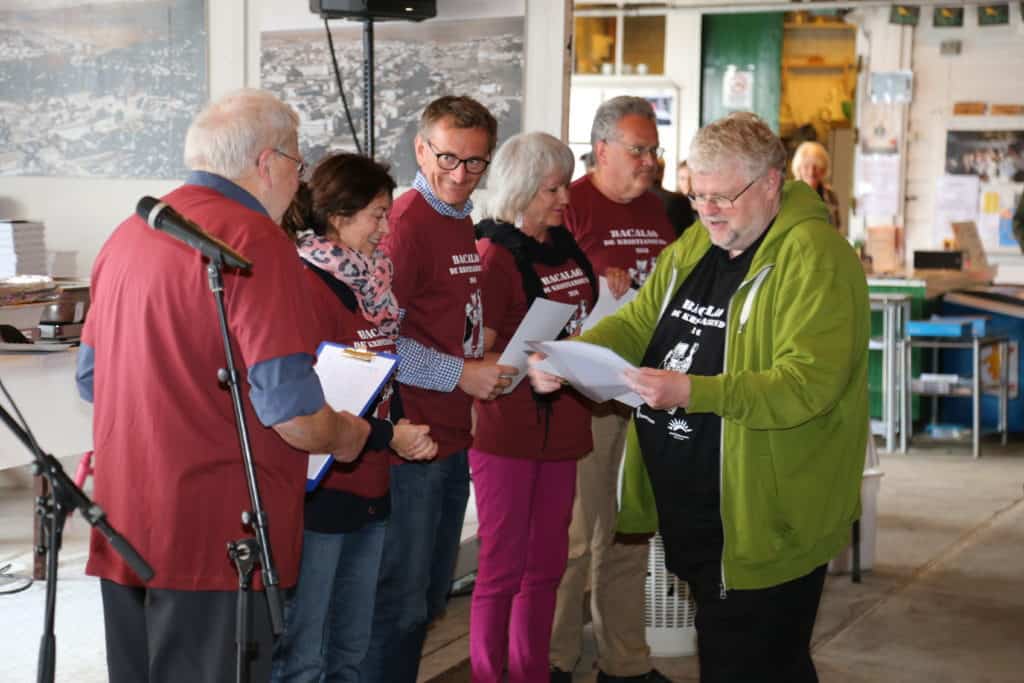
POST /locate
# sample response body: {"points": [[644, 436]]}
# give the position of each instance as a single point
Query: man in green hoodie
{"points": [[752, 341]]}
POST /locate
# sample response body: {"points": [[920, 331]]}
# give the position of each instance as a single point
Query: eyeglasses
{"points": [[721, 202], [639, 151], [300, 165], [450, 162]]}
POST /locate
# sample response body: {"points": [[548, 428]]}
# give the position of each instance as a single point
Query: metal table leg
{"points": [[976, 398]]}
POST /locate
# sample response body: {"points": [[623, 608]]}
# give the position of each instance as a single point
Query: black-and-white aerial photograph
{"points": [[415, 63], [99, 88]]}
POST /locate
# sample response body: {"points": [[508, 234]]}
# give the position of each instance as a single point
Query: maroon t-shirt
{"points": [[168, 463], [367, 476], [512, 425], [628, 236], [437, 281]]}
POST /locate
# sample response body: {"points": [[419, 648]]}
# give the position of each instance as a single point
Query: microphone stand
{"points": [[247, 552], [53, 509]]}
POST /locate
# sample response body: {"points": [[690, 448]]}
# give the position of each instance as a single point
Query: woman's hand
{"points": [[543, 382], [413, 442], [619, 281]]}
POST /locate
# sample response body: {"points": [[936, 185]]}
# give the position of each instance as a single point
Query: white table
{"points": [[43, 387]]}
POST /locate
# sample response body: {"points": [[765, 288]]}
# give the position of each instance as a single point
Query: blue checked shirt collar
{"points": [[444, 208]]}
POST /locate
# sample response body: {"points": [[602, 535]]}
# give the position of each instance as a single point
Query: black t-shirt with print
{"points": [[681, 449]]}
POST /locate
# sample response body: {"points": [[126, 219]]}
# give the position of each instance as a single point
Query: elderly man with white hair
{"points": [[169, 471]]}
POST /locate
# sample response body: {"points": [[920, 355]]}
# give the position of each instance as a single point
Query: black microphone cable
{"points": [[341, 90]]}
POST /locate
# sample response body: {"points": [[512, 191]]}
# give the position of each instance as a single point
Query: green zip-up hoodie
{"points": [[793, 394]]}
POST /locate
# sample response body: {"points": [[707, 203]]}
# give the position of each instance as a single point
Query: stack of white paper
{"points": [[22, 248], [596, 372]]}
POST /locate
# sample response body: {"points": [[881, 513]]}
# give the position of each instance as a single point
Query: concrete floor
{"points": [[944, 601]]}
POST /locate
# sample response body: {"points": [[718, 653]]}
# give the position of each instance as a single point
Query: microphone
{"points": [[160, 216]]}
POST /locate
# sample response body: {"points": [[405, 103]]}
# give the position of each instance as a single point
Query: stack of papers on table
{"points": [[22, 248]]}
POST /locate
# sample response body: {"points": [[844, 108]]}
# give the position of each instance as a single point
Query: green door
{"points": [[741, 58]]}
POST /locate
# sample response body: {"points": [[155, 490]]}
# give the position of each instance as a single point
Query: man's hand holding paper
{"points": [[660, 389]]}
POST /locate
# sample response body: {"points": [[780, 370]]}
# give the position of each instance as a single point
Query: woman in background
{"points": [[329, 615], [811, 164], [525, 447]]}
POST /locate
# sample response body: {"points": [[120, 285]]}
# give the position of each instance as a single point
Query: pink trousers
{"points": [[524, 508]]}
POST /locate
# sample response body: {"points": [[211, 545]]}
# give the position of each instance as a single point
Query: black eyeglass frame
{"points": [[719, 199], [458, 160]]}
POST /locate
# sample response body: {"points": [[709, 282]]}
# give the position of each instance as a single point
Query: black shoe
{"points": [[652, 676], [559, 676]]}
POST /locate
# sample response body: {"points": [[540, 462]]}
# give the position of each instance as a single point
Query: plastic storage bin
{"points": [[870, 484], [869, 487], [670, 609]]}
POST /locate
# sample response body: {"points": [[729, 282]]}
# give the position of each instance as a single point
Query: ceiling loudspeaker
{"points": [[408, 10]]}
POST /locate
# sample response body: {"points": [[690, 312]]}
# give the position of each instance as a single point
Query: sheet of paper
{"points": [[351, 381], [878, 190], [596, 372], [956, 200], [544, 320], [606, 304]]}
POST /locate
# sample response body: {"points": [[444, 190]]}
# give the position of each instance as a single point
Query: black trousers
{"points": [[756, 636], [168, 636]]}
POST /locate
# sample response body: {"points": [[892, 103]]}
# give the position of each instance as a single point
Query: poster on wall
{"points": [[473, 49], [738, 88], [956, 199], [877, 188], [992, 155], [996, 159], [99, 88], [995, 216]]}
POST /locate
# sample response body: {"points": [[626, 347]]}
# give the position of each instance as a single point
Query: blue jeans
{"points": [[329, 613], [428, 506]]}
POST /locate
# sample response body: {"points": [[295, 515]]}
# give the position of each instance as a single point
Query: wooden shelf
{"points": [[803, 65], [818, 26]]}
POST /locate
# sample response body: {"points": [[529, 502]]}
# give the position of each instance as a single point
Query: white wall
{"points": [[989, 68], [80, 213]]}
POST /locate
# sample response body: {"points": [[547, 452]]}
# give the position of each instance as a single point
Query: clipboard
{"points": [[352, 379]]}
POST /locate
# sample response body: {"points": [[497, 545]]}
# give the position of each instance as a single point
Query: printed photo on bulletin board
{"points": [[992, 155]]}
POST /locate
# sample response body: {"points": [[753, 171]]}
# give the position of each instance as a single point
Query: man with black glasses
{"points": [[443, 368], [621, 227], [751, 338]]}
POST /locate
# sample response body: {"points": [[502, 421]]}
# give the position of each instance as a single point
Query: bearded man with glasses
{"points": [[443, 368], [752, 341]]}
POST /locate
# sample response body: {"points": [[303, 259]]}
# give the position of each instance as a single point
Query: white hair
{"points": [[519, 168], [814, 151], [740, 138], [228, 135]]}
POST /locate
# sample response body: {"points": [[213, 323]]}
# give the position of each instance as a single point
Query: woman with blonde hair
{"points": [[525, 447], [811, 164]]}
